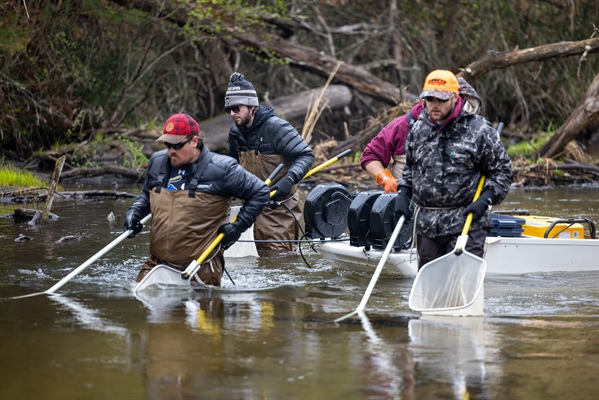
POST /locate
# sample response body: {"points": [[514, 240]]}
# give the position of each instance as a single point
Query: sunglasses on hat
{"points": [[235, 109], [177, 146]]}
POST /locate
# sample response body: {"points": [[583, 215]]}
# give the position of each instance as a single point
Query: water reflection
{"points": [[223, 334], [391, 365], [459, 351], [87, 317]]}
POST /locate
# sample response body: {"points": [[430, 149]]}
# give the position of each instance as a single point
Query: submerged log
{"points": [[35, 197], [29, 214], [96, 194], [70, 238]]}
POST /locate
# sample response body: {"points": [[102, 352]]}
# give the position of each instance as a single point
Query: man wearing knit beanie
{"points": [[260, 141]]}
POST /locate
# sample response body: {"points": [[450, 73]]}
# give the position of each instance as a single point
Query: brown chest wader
{"points": [[277, 223], [184, 224]]}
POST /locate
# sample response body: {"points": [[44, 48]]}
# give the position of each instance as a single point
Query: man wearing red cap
{"points": [[447, 151], [188, 190]]}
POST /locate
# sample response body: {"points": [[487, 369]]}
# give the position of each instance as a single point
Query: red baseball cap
{"points": [[178, 128]]}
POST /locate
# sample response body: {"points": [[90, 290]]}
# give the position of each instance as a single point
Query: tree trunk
{"points": [[312, 60], [586, 115]]}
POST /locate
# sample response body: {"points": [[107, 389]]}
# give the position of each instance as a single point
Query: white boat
{"points": [[504, 255], [518, 243]]}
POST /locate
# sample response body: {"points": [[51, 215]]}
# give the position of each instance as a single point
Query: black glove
{"points": [[232, 233], [133, 222], [283, 188], [480, 206], [402, 203]]}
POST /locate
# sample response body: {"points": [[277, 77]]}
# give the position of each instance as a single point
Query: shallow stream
{"points": [[272, 335]]}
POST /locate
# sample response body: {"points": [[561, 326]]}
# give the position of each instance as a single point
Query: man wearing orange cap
{"points": [[384, 158], [188, 190], [447, 151]]}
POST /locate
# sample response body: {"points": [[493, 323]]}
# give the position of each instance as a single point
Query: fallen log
{"points": [[95, 194], [292, 107], [29, 213], [541, 174], [131, 173], [584, 116], [37, 196]]}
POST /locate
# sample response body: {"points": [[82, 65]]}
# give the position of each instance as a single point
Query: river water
{"points": [[272, 335]]}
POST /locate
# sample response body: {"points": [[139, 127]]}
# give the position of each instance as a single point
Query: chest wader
{"points": [[184, 224], [399, 163], [277, 223]]}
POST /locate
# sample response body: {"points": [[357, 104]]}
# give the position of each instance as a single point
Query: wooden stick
{"points": [[53, 184]]}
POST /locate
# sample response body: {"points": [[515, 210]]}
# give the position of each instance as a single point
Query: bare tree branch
{"points": [[495, 60]]}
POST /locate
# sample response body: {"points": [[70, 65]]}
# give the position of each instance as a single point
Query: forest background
{"points": [[96, 79]]}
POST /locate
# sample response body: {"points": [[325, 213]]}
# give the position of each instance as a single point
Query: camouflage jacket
{"points": [[444, 166]]}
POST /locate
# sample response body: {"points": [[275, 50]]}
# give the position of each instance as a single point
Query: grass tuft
{"points": [[11, 177]]}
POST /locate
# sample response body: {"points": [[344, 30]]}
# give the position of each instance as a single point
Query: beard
{"points": [[440, 115], [244, 121], [177, 162]]}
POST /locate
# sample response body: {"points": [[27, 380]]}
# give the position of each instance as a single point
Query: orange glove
{"points": [[385, 179]]}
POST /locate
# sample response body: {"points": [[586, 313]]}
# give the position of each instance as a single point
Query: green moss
{"points": [[12, 177]]}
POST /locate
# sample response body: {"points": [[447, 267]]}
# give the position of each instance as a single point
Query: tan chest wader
{"points": [[274, 224], [399, 163], [184, 224]]}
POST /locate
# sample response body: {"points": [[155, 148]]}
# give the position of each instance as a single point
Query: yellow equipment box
{"points": [[538, 226]]}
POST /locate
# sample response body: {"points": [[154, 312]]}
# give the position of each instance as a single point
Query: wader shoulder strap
{"points": [[197, 172], [163, 174]]}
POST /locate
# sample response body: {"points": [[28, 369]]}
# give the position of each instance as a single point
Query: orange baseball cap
{"points": [[441, 84]]}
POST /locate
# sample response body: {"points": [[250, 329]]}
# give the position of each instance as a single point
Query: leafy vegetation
{"points": [[73, 68], [529, 148], [137, 157]]}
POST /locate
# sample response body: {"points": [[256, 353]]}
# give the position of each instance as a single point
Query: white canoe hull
{"points": [[504, 255]]}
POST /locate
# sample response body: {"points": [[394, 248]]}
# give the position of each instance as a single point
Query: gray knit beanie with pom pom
{"points": [[240, 92]]}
